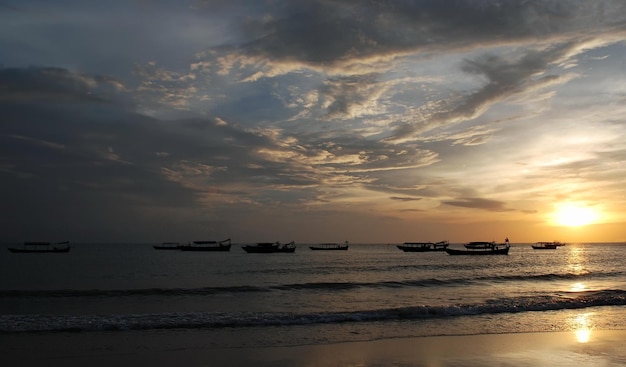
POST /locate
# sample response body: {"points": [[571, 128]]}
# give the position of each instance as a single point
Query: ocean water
{"points": [[374, 291]]}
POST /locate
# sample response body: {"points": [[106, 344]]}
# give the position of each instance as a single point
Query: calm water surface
{"points": [[368, 292]]}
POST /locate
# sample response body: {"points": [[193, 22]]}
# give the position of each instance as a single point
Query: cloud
{"points": [[504, 78], [319, 106], [53, 84], [404, 198], [479, 203], [331, 33]]}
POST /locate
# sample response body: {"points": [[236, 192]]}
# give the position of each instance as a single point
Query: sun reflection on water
{"points": [[578, 287], [576, 260], [582, 329]]}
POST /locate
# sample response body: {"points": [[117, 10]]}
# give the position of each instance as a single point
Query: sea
{"points": [[370, 292]]}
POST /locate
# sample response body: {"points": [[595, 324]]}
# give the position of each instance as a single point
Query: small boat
{"points": [[479, 245], [207, 246], [270, 247], [167, 246], [42, 247], [424, 246], [330, 246], [547, 245], [482, 248]]}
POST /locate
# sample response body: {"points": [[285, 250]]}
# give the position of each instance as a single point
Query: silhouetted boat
{"points": [[547, 245], [167, 246], [330, 247], [423, 246], [482, 248], [42, 247], [207, 246], [270, 247], [479, 245]]}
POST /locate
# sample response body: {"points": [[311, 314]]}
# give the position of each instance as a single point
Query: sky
{"points": [[375, 121]]}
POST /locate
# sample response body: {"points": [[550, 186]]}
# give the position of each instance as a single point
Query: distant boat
{"points": [[330, 247], [547, 245], [482, 248], [42, 247], [423, 246], [270, 247], [207, 246], [167, 246]]}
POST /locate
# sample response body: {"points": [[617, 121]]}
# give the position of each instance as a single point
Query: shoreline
{"points": [[587, 347]]}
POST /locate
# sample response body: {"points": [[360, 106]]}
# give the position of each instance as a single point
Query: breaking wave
{"points": [[198, 320]]}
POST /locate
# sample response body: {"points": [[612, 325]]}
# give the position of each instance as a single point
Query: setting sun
{"points": [[574, 215]]}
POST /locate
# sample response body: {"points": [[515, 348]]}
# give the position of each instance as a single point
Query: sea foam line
{"points": [[195, 320]]}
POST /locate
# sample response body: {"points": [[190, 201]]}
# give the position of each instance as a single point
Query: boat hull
{"points": [[269, 248], [479, 252], [423, 246], [547, 245]]}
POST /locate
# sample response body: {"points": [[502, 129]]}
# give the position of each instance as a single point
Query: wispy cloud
{"points": [[479, 203]]}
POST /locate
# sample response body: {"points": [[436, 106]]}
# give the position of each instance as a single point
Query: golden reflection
{"points": [[578, 287], [582, 330], [583, 335], [576, 259]]}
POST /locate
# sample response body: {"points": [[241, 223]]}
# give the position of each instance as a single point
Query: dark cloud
{"points": [[53, 85], [322, 32], [479, 203], [102, 163], [345, 92]]}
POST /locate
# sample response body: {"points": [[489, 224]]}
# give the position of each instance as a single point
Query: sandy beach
{"points": [[589, 348]]}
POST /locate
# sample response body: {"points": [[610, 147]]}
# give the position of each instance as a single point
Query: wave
{"points": [[315, 286], [197, 320]]}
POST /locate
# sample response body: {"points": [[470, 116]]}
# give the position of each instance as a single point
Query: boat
{"points": [[270, 247], [424, 246], [223, 245], [482, 248], [42, 247], [167, 246], [479, 245], [547, 245], [330, 247]]}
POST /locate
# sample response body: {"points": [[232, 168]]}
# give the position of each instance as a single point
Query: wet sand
{"points": [[583, 348]]}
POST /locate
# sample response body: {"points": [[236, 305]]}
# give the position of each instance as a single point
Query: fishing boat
{"points": [[547, 245], [42, 247], [330, 247], [479, 245], [424, 246], [270, 247], [482, 248], [223, 245], [167, 246]]}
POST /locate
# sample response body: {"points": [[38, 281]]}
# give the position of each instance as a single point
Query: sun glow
{"points": [[582, 329], [574, 215]]}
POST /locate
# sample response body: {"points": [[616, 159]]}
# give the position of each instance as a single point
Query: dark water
{"points": [[368, 292]]}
